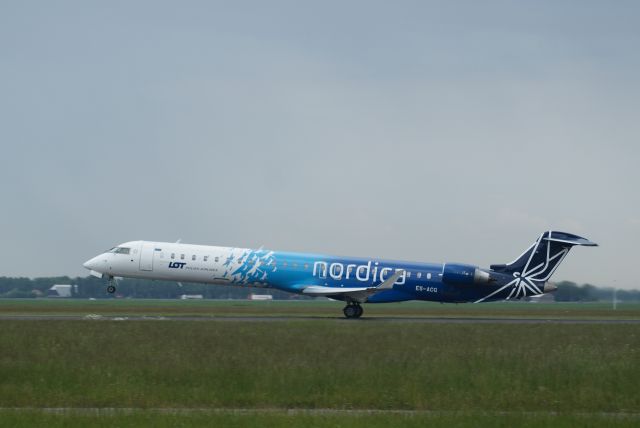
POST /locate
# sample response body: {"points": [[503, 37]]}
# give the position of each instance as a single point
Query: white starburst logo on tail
{"points": [[531, 280]]}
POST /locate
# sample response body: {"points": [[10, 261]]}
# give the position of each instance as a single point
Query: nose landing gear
{"points": [[111, 288], [353, 310]]}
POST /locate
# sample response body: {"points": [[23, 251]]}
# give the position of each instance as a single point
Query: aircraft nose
{"points": [[92, 264]]}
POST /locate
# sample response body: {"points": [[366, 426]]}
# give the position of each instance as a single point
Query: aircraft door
{"points": [[146, 256]]}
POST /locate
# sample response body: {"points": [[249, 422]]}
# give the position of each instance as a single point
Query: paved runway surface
{"points": [[94, 317]]}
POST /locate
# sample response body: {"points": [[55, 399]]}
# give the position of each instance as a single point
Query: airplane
{"points": [[352, 280]]}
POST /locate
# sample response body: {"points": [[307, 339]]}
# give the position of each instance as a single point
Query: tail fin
{"points": [[539, 261]]}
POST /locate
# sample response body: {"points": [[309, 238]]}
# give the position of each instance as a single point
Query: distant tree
{"points": [[19, 294], [567, 292]]}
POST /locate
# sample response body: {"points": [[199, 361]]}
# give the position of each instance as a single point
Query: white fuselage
{"points": [[166, 261]]}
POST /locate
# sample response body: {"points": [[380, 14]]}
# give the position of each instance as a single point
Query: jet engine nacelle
{"points": [[464, 275]]}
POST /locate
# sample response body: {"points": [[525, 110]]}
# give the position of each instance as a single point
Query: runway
{"points": [[372, 320]]}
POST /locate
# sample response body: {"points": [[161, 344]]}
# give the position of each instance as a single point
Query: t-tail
{"points": [[535, 266]]}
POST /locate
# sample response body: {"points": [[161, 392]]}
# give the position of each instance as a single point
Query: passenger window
{"points": [[173, 255], [419, 275], [284, 264], [206, 258], [217, 259], [429, 275], [306, 266], [181, 256], [193, 257], [408, 274]]}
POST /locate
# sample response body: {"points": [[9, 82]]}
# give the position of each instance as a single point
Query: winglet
{"points": [[388, 283]]}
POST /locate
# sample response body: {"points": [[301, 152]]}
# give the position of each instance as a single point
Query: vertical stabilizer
{"points": [[536, 265]]}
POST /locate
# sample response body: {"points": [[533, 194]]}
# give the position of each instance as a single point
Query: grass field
{"points": [[331, 372], [145, 418]]}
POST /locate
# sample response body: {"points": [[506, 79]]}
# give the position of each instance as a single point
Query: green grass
{"points": [[459, 375], [320, 364], [313, 308], [282, 419]]}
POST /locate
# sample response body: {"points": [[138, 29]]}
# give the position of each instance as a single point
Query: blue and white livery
{"points": [[352, 280]]}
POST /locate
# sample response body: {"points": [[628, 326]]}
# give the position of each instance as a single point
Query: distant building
{"points": [[260, 296], [60, 290], [191, 296]]}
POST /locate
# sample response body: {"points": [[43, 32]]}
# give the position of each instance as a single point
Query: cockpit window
{"points": [[120, 250]]}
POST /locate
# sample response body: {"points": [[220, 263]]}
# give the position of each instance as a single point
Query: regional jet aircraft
{"points": [[352, 280]]}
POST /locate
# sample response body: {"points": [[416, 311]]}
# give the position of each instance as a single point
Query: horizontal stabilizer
{"points": [[570, 239]]}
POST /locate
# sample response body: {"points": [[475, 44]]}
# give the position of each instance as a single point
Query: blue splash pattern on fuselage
{"points": [[292, 272], [253, 266]]}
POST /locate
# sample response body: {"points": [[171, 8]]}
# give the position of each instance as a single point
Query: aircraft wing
{"points": [[358, 294]]}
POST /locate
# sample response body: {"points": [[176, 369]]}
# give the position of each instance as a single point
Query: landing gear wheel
{"points": [[350, 311], [353, 310], [111, 289]]}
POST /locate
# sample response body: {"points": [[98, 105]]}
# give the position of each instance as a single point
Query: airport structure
{"points": [[60, 290], [352, 280]]}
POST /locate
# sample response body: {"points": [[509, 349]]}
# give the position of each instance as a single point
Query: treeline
{"points": [[91, 287], [571, 292]]}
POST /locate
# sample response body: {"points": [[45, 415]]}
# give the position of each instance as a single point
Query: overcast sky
{"points": [[428, 131]]}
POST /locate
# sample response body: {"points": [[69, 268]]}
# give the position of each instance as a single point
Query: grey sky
{"points": [[431, 131]]}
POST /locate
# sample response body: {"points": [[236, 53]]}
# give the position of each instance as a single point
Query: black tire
{"points": [[350, 311], [111, 289], [360, 311]]}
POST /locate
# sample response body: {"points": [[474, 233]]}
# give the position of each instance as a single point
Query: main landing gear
{"points": [[353, 310], [111, 288]]}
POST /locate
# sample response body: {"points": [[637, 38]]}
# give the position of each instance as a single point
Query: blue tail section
{"points": [[538, 262]]}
